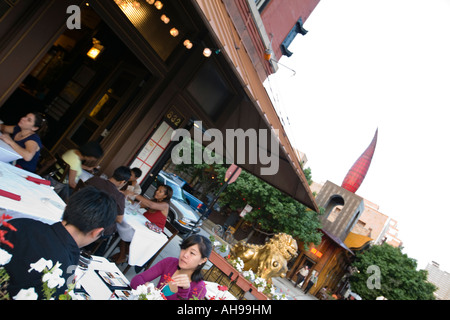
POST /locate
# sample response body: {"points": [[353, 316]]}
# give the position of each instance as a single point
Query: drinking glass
{"points": [[83, 266]]}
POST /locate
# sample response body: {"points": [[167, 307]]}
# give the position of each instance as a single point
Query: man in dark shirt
{"points": [[112, 186], [86, 215]]}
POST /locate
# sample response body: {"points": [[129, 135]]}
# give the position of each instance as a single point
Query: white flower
{"points": [[141, 289], [147, 292], [272, 290], [5, 257], [260, 284], [26, 294], [40, 265], [238, 264], [53, 277], [249, 275]]}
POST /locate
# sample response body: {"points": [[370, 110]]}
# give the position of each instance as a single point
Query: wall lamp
{"points": [[96, 49]]}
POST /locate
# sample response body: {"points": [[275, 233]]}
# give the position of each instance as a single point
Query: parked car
{"points": [[181, 215], [193, 201]]}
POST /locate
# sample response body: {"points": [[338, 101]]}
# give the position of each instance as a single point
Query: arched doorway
{"points": [[334, 207]]}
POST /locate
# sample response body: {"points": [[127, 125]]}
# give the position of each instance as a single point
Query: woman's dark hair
{"points": [[90, 208], [92, 149], [205, 247], [169, 192], [41, 122]]}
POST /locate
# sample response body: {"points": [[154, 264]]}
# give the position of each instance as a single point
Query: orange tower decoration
{"points": [[358, 171]]}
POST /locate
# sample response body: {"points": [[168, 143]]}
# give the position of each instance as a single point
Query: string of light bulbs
{"points": [[124, 5]]}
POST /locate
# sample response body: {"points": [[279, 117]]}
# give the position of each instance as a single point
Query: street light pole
{"points": [[211, 205]]}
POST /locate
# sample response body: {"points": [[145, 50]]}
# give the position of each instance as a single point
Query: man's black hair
{"points": [[90, 208], [122, 173]]}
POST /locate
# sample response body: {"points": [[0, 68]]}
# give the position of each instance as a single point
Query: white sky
{"points": [[368, 64]]}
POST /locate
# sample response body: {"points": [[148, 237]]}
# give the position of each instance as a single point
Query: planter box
{"points": [[244, 284], [221, 263], [233, 277]]}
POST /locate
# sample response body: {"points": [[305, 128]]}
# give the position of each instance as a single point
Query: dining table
{"points": [[102, 280], [144, 243], [7, 153], [24, 194]]}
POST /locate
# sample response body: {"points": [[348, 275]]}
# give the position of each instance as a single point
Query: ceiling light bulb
{"points": [[174, 32], [207, 52], [188, 44], [165, 19]]}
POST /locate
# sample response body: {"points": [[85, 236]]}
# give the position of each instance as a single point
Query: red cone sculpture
{"points": [[358, 171]]}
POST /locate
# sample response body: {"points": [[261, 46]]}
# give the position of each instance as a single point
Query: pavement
{"points": [[282, 285], [286, 286]]}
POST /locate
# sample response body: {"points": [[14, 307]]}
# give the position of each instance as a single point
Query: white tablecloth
{"points": [[39, 202], [7, 154], [144, 242]]}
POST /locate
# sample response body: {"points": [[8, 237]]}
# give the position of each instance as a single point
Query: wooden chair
{"points": [[61, 169], [97, 243], [80, 185], [46, 161], [170, 235]]}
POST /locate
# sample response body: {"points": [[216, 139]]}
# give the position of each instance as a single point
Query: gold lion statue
{"points": [[268, 260]]}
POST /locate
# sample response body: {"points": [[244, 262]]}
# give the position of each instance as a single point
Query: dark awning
{"points": [[289, 177], [336, 240], [250, 113]]}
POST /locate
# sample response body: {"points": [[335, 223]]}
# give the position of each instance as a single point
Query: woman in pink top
{"points": [[180, 279]]}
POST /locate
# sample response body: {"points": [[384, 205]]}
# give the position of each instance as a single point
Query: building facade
{"points": [[441, 279], [153, 76], [343, 209], [371, 228], [391, 236], [283, 21]]}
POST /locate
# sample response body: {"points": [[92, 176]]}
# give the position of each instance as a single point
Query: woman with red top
{"points": [[158, 209]]}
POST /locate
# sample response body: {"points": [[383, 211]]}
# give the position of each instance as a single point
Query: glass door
{"points": [[107, 105]]}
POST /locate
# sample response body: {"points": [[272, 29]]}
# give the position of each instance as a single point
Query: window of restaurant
{"points": [[109, 103]]}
